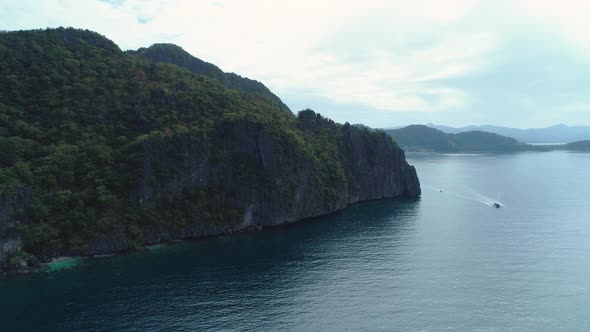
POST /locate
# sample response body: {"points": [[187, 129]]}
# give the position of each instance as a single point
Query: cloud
{"points": [[569, 18], [391, 61]]}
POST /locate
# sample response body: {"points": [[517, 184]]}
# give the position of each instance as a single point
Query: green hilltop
{"points": [[173, 54], [423, 138]]}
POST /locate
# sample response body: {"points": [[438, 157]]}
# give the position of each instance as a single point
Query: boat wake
{"points": [[471, 195], [489, 201]]}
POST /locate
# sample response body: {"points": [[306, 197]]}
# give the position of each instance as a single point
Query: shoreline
{"points": [[43, 267]]}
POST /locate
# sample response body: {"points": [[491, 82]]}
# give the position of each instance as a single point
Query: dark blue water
{"points": [[445, 262]]}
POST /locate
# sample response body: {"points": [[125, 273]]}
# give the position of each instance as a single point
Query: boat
{"points": [[496, 205]]}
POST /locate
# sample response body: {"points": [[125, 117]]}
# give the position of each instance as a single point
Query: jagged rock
{"points": [[9, 247], [22, 264], [107, 244], [32, 261]]}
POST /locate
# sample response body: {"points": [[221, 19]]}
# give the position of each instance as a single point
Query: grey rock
{"points": [[33, 262], [9, 247], [12, 201], [284, 188]]}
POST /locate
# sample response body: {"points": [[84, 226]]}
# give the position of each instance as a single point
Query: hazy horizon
{"points": [[385, 63], [488, 124]]}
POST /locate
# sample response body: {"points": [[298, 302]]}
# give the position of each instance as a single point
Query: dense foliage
{"points": [[77, 116], [173, 54]]}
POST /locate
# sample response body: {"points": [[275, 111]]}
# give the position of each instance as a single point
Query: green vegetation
{"points": [[111, 143], [173, 54], [577, 146], [423, 138]]}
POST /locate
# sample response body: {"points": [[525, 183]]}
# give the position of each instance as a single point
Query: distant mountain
{"points": [[174, 54], [577, 146], [555, 134], [424, 138]]}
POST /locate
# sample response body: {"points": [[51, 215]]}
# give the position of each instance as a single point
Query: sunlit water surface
{"points": [[448, 261]]}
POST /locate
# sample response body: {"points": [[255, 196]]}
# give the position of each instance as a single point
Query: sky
{"points": [[518, 63]]}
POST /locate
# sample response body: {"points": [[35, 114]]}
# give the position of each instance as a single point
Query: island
{"points": [[425, 138], [103, 151]]}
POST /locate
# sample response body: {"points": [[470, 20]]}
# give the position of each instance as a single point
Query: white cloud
{"points": [[277, 42], [118, 23], [387, 55], [570, 18]]}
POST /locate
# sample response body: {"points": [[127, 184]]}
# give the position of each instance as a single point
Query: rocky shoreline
{"points": [[26, 263]]}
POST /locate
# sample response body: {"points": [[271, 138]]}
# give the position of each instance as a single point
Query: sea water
{"points": [[448, 261]]}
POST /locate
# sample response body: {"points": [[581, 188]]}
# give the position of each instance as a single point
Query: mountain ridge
{"points": [[174, 54], [424, 138], [559, 133]]}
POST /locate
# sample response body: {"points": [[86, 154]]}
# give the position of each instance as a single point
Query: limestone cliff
{"points": [[263, 185], [102, 151]]}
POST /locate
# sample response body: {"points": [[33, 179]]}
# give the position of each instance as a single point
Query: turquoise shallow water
{"points": [[445, 262]]}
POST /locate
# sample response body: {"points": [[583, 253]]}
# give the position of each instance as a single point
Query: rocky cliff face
{"points": [[102, 151], [264, 185], [377, 169], [10, 246], [269, 187], [11, 203]]}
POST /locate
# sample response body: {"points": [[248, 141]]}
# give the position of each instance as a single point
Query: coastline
{"points": [[67, 261]]}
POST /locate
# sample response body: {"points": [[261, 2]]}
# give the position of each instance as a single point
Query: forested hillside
{"points": [[173, 54], [423, 138], [102, 151]]}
